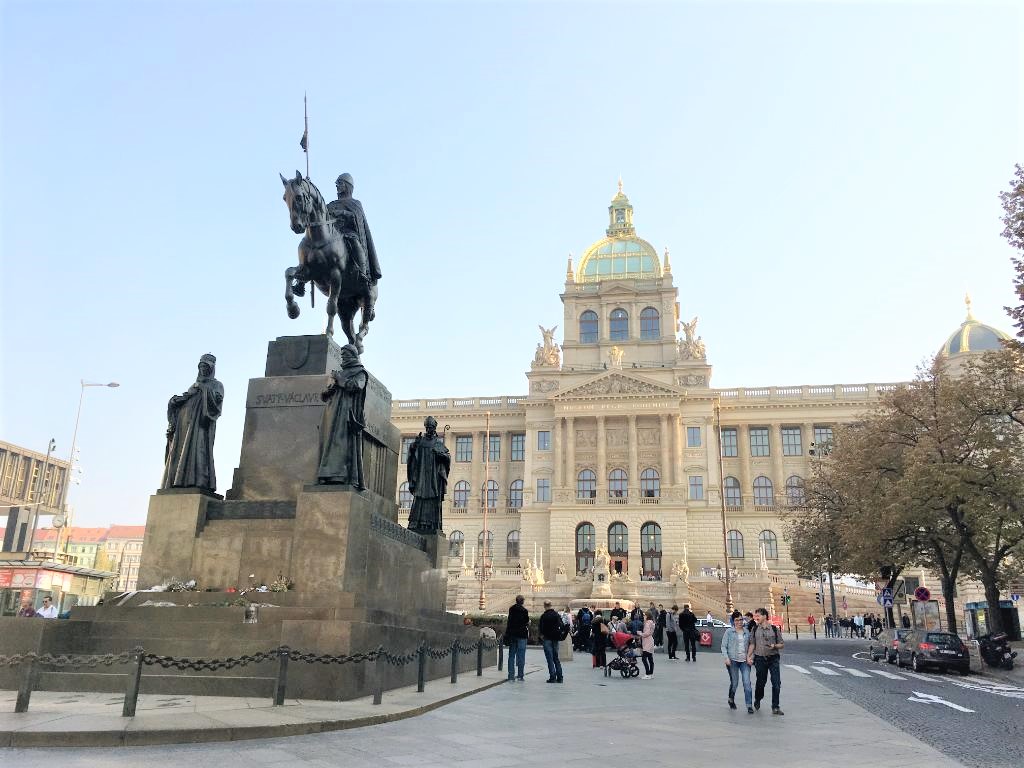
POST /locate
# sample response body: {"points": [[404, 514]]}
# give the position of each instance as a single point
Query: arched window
{"points": [[461, 495], [650, 483], [586, 484], [769, 543], [586, 539], [733, 497], [618, 325], [512, 545], [650, 551], [490, 492], [404, 496], [455, 544], [618, 539], [795, 491], [618, 484], [515, 494], [735, 539], [764, 491], [650, 324], [588, 327], [490, 543]]}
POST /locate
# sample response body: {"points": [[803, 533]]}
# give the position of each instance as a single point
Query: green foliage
{"points": [[1013, 231]]}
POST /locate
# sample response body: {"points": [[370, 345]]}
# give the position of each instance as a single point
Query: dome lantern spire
{"points": [[967, 301], [620, 215]]}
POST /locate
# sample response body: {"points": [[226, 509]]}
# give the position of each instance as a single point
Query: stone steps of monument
{"points": [[200, 613], [258, 684]]}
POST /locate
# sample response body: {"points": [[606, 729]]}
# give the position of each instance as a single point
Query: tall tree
{"points": [[1013, 231]]}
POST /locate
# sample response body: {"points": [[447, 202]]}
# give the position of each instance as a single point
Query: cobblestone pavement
{"points": [[678, 718], [990, 734]]}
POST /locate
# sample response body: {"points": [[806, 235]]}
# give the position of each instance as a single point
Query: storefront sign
{"points": [[5, 577]]}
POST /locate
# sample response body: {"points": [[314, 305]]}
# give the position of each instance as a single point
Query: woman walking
{"points": [[600, 640], [734, 649], [647, 644]]}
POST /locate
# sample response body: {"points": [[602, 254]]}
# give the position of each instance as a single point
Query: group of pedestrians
{"points": [[858, 625], [753, 642]]}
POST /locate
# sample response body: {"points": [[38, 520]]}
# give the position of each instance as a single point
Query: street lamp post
{"points": [[40, 495], [71, 459], [721, 494], [484, 539], [819, 452]]}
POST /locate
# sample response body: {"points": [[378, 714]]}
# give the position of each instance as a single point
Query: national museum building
{"points": [[617, 441]]}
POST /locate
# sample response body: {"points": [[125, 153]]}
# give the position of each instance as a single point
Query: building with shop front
{"points": [[622, 441]]}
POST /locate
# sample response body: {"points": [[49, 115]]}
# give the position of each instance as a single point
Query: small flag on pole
{"points": [[304, 141]]}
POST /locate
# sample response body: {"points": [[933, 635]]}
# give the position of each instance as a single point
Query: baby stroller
{"points": [[626, 653]]}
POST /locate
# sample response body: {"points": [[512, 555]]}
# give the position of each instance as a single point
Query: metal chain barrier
{"points": [[136, 657]]}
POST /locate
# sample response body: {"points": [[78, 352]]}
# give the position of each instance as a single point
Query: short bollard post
{"points": [[480, 657], [28, 681], [421, 668], [284, 654], [814, 630], [378, 676], [796, 629], [455, 662], [501, 652], [131, 696]]}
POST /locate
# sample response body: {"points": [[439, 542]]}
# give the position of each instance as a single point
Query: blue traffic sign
{"points": [[887, 602], [1015, 597]]}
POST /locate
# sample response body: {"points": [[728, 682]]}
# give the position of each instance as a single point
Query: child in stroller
{"points": [[626, 655]]}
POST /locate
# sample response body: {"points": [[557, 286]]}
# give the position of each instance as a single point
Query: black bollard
{"points": [[501, 653], [480, 657], [378, 676], [455, 662], [283, 656], [28, 682], [131, 696], [421, 668]]}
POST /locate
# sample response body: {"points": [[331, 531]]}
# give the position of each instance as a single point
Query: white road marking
{"points": [[856, 672], [999, 689], [927, 698], [799, 669], [825, 670], [832, 663], [925, 678], [890, 675]]}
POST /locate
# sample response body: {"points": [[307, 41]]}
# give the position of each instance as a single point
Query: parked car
{"points": [[886, 644], [712, 623], [943, 650]]}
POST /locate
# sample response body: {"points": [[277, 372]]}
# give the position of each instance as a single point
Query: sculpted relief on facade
{"points": [[543, 386], [620, 385]]}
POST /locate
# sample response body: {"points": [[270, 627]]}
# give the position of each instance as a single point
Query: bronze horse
{"points": [[324, 261]]}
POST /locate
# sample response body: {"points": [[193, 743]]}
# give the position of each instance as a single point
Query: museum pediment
{"points": [[614, 383]]}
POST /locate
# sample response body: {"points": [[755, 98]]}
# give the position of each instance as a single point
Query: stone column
{"points": [[634, 457], [775, 443], [743, 449], [558, 452], [666, 471], [570, 453], [680, 447], [602, 461]]}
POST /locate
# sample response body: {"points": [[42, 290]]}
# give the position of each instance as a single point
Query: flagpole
{"points": [[305, 133]]}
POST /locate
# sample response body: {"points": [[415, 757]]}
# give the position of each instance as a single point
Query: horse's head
{"points": [[305, 203]]}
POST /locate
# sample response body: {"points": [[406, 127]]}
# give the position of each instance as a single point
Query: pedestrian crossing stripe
{"points": [[825, 671], [856, 672], [889, 675], [799, 669]]}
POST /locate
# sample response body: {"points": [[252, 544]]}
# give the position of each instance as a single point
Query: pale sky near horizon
{"points": [[826, 176]]}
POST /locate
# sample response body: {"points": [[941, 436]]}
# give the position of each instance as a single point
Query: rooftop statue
{"points": [[692, 347], [336, 254], [548, 353]]}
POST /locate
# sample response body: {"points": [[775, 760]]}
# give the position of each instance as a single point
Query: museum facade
{"points": [[622, 441]]}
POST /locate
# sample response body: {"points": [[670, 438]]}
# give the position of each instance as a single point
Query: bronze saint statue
{"points": [[428, 465], [191, 428], [349, 218], [341, 432]]}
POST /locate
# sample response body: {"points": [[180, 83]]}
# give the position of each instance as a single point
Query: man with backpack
{"points": [[584, 617], [688, 629], [552, 630], [763, 653]]}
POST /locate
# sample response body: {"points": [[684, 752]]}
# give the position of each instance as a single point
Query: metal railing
{"points": [[137, 658]]}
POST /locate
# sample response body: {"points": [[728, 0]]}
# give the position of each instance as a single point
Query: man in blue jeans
{"points": [[552, 630], [763, 653], [517, 630]]}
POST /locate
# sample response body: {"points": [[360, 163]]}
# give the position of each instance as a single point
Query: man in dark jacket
{"points": [[688, 629], [517, 630], [584, 618], [550, 629]]}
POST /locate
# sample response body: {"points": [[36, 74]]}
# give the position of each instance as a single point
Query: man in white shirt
{"points": [[709, 617], [48, 611]]}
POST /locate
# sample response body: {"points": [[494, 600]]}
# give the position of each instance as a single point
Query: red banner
{"points": [[5, 577]]}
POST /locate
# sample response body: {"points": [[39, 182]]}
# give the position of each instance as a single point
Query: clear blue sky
{"points": [[825, 175]]}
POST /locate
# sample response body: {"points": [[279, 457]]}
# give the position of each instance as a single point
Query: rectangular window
{"points": [[759, 441], [729, 441], [543, 489], [464, 448], [791, 442], [544, 440], [822, 436], [494, 454], [406, 442], [693, 437], [518, 447], [696, 488]]}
